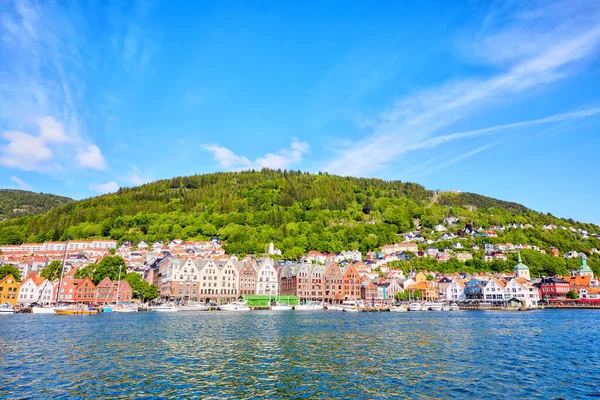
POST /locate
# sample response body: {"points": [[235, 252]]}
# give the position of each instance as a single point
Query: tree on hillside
{"points": [[52, 271], [109, 267], [10, 270]]}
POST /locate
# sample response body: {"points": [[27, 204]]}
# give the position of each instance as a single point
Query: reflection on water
{"points": [[542, 354]]}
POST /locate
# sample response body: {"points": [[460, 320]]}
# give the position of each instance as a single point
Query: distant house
{"points": [[455, 291]]}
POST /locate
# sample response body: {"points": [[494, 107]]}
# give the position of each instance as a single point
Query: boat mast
{"points": [[118, 285], [62, 271]]}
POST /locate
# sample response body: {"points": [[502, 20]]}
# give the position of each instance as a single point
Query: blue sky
{"points": [[498, 98]]}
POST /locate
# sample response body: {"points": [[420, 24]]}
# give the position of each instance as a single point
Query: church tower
{"points": [[521, 270], [585, 270]]}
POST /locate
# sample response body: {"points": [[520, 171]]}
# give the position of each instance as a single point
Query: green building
{"points": [[261, 300]]}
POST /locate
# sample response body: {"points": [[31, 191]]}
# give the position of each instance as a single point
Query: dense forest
{"points": [[295, 210], [19, 203]]}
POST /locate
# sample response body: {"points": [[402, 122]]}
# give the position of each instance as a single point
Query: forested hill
{"points": [[18, 203], [247, 210]]}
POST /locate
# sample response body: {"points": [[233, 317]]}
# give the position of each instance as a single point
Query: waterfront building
{"points": [[554, 288], [523, 291], [289, 280], [219, 279], [334, 281], [494, 292], [474, 289], [179, 280], [368, 291], [589, 293], [247, 283], [9, 290], [351, 280], [76, 291], [456, 290], [35, 289], [427, 288], [267, 277], [107, 291]]}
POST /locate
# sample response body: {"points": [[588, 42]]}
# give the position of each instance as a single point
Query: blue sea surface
{"points": [[547, 354]]}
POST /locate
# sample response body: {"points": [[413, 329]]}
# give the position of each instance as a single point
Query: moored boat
{"points": [[436, 306], [445, 307], [124, 309], [454, 307], [309, 307], [76, 310], [281, 307], [350, 306], [193, 307], [414, 307], [42, 310], [398, 309], [6, 309], [164, 308], [234, 306]]}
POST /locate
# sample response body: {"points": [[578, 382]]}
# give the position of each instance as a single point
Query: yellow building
{"points": [[9, 290], [420, 277]]}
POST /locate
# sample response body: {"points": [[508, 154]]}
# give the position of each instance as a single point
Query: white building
{"points": [[219, 278], [35, 289], [494, 292], [520, 289], [267, 280], [456, 290]]}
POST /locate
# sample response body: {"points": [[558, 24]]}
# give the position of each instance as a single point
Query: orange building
{"points": [[107, 291], [9, 290]]}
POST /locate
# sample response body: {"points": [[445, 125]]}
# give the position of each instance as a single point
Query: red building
{"points": [[554, 288], [76, 291], [107, 290]]}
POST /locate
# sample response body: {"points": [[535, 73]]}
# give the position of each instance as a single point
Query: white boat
{"points": [[454, 307], [350, 306], [234, 306], [124, 309], [6, 309], [446, 307], [414, 307], [281, 307], [193, 307], [398, 309], [42, 310], [164, 308], [436, 306], [309, 307]]}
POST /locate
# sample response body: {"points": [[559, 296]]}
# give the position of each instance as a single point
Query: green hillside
{"points": [[19, 203], [297, 211]]}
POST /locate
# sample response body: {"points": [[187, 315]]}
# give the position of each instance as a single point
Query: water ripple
{"points": [[483, 355]]}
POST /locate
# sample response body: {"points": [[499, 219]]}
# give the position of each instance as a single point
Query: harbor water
{"points": [[547, 354]]}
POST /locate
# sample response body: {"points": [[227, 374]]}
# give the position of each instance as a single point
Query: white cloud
{"points": [[417, 121], [51, 130], [226, 158], [90, 156], [20, 182], [136, 179], [282, 159], [108, 187]]}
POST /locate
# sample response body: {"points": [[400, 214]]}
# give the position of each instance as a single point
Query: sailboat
{"points": [[121, 308], [71, 310]]}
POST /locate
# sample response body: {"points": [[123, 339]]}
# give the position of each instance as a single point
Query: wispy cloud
{"points": [[135, 178], [282, 159], [40, 87], [417, 121], [20, 182], [108, 187]]}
